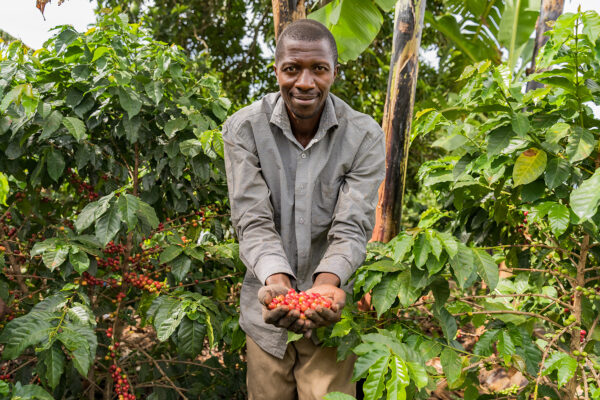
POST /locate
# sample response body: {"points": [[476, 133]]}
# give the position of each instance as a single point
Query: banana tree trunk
{"points": [[286, 12], [550, 10], [397, 115]]}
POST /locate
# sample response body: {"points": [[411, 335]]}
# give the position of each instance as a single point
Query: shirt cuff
{"points": [[272, 264], [335, 265]]}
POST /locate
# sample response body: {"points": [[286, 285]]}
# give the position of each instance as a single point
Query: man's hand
{"points": [[327, 286], [282, 316]]}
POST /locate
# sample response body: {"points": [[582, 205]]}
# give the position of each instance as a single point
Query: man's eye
{"points": [[289, 69], [320, 68]]}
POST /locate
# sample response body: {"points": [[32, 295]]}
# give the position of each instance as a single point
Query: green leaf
{"points": [[418, 374], [375, 382], [401, 245], [4, 388], [386, 5], [4, 189], [516, 25], [55, 256], [557, 172], [353, 23], [79, 349], [99, 52], [581, 144], [51, 124], [529, 166], [147, 214], [385, 293], [23, 332], [293, 337], [130, 101], [190, 148], [564, 364], [484, 346], [441, 291], [55, 163], [366, 361], [421, 249], [338, 396], [175, 125], [167, 318], [399, 380], [128, 206], [108, 225], [486, 267], [170, 253], [506, 347], [449, 242], [447, 322], [30, 392], [584, 199], [12, 96], [76, 127], [462, 264], [78, 259], [559, 217], [520, 124], [180, 267], [154, 90], [54, 361], [87, 216], [451, 364], [190, 337], [434, 243], [557, 132], [591, 25]]}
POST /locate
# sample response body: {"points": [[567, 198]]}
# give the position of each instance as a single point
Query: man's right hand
{"points": [[282, 316]]}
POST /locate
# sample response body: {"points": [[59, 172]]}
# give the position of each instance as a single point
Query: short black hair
{"points": [[309, 30]]}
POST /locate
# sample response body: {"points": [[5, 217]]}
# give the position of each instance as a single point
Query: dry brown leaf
{"points": [[41, 5]]}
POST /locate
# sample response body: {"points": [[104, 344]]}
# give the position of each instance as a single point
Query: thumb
{"points": [[264, 295]]}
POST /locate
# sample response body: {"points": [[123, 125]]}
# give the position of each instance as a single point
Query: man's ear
{"points": [[336, 69], [276, 71]]}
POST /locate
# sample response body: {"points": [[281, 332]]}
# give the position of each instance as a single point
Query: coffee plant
{"points": [[504, 273], [119, 274]]}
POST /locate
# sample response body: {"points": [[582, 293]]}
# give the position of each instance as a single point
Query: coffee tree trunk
{"points": [[550, 10], [286, 12], [398, 115]]}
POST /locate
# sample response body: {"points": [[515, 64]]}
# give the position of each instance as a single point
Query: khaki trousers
{"points": [[306, 372]]}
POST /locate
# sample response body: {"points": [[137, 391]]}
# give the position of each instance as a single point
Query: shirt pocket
{"points": [[324, 200]]}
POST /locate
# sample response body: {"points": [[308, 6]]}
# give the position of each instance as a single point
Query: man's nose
{"points": [[306, 80]]}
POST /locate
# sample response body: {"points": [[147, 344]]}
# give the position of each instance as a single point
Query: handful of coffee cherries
{"points": [[300, 301]]}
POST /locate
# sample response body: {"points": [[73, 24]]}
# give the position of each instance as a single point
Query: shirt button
{"points": [[303, 155], [301, 220]]}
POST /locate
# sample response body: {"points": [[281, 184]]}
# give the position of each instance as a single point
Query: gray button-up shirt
{"points": [[299, 210]]}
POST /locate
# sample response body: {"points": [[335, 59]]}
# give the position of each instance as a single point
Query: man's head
{"points": [[306, 67]]}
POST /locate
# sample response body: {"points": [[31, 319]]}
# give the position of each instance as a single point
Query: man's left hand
{"points": [[327, 286]]}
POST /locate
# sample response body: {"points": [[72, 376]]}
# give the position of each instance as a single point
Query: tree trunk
{"points": [[286, 12], [550, 10], [397, 115]]}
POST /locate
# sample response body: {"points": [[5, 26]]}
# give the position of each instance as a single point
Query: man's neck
{"points": [[304, 129]]}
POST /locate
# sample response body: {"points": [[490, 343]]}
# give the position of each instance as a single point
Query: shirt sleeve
{"points": [[261, 248], [354, 213]]}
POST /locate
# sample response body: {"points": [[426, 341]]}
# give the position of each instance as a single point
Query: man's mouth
{"points": [[305, 99]]}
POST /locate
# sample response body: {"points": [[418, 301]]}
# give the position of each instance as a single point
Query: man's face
{"points": [[305, 71]]}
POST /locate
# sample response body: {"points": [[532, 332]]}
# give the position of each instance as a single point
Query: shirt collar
{"points": [[281, 119]]}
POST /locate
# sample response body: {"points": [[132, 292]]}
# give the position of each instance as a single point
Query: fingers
{"points": [[298, 326], [330, 315], [289, 319], [275, 315], [315, 318]]}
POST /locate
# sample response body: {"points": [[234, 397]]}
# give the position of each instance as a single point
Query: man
{"points": [[303, 171]]}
